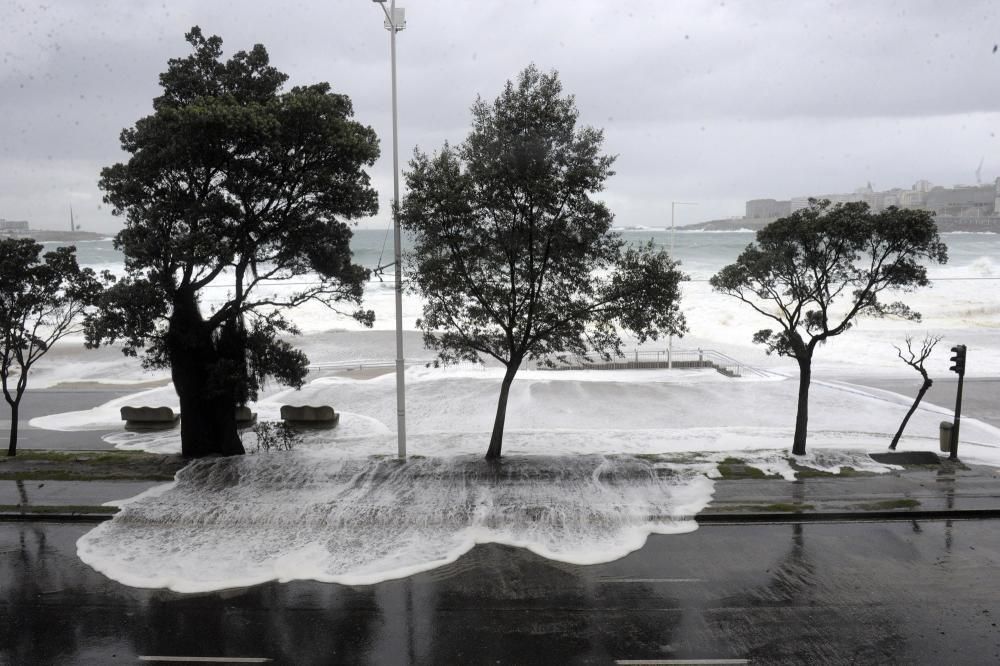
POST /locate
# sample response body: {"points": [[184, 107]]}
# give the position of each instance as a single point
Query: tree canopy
{"points": [[816, 271], [42, 300], [514, 257], [233, 181]]}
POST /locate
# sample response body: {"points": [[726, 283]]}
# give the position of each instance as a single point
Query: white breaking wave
{"points": [[315, 515], [582, 479], [337, 508]]}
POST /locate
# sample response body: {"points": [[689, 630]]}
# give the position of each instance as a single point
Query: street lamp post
{"points": [[395, 20], [670, 337]]}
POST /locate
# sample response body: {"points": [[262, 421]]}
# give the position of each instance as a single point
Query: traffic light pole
{"points": [[953, 455], [958, 367]]}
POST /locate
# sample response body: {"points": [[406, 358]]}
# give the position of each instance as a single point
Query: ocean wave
{"points": [[717, 231]]}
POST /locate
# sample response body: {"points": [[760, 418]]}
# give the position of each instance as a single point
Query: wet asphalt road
{"points": [[980, 395], [867, 593], [42, 402]]}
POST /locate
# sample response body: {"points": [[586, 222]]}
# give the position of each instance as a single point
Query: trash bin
{"points": [[945, 432]]}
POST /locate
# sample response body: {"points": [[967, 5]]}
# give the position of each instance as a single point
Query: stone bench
{"points": [[245, 418], [309, 417], [149, 418]]}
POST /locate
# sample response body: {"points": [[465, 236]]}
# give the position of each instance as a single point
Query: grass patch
{"points": [[49, 509], [803, 472], [36, 465], [85, 475], [677, 458], [886, 505], [778, 507], [734, 468], [78, 456]]}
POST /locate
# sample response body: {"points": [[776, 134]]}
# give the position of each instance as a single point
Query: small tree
{"points": [[513, 257], [233, 179], [42, 300], [915, 359], [817, 270]]}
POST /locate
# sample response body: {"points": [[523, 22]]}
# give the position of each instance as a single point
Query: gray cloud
{"points": [[709, 101]]}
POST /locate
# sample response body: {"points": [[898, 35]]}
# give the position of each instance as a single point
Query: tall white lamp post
{"points": [[395, 20], [670, 338]]}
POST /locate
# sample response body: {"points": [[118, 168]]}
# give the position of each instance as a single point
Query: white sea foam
{"points": [[741, 230], [332, 510], [620, 411], [321, 516]]}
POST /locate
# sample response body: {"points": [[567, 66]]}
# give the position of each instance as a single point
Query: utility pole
{"points": [[395, 20]]}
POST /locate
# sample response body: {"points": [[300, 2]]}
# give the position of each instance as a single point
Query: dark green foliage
{"points": [[42, 300], [513, 257], [231, 177], [816, 271]]}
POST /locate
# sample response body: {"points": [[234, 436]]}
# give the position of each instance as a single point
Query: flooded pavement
{"points": [[896, 592], [42, 402]]}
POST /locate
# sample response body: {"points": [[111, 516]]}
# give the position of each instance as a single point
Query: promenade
{"points": [[887, 568]]}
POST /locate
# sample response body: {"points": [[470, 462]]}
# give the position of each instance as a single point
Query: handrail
{"points": [[706, 358], [366, 363], [636, 359]]}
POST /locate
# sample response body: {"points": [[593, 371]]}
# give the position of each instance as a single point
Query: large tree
{"points": [[816, 271], [233, 181], [514, 258], [42, 300]]}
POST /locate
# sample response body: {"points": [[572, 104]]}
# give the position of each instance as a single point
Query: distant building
{"points": [[13, 226], [961, 201], [759, 208]]}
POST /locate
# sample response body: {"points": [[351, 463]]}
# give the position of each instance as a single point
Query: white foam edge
{"points": [[681, 522], [155, 491]]}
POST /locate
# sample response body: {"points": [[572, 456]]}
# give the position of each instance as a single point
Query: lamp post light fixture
{"points": [[395, 20], [670, 338]]}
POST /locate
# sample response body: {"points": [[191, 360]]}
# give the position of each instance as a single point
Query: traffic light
{"points": [[958, 360]]}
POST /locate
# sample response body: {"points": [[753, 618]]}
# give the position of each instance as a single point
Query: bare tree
{"points": [[915, 359]]}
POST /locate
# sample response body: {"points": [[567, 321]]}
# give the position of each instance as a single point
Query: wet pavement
{"points": [[927, 491], [980, 395], [921, 592], [42, 402], [70, 493], [911, 590]]}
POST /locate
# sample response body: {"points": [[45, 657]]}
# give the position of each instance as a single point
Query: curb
{"points": [[843, 516], [720, 518], [30, 516]]}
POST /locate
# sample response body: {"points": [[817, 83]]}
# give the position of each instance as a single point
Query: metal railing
{"points": [[636, 359], [678, 358], [366, 363]]}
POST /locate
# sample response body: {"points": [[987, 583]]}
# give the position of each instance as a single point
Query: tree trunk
{"points": [[802, 412], [12, 442], [203, 385], [496, 439], [902, 426]]}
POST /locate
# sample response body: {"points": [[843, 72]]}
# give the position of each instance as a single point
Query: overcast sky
{"points": [[710, 102]]}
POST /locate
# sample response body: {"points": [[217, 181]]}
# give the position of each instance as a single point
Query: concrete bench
{"points": [[309, 417], [244, 417], [149, 418]]}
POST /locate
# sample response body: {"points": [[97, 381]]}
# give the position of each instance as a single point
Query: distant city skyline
{"points": [[973, 201], [956, 200], [711, 102]]}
